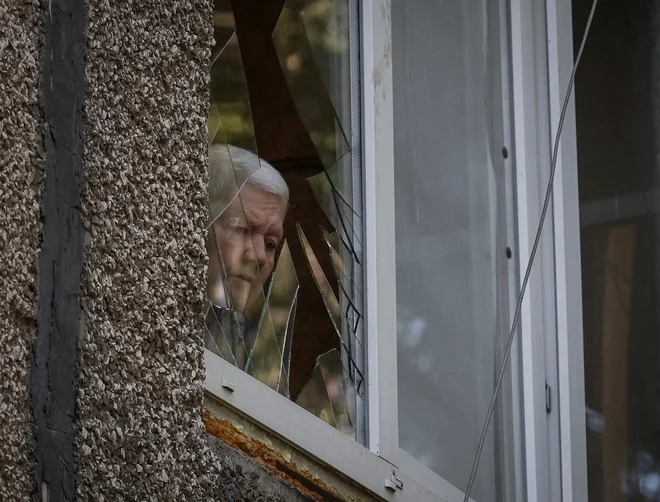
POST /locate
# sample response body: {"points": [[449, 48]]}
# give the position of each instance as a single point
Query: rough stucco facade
{"points": [[140, 434], [20, 158]]}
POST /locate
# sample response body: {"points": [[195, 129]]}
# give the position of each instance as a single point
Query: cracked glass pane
{"points": [[284, 204], [307, 87], [326, 24]]}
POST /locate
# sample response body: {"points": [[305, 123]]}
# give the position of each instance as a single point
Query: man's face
{"points": [[247, 236]]}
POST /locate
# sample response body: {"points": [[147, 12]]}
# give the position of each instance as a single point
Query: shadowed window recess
{"points": [[285, 218], [618, 121]]}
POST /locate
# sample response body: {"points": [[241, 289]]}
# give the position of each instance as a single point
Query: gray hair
{"points": [[231, 168]]}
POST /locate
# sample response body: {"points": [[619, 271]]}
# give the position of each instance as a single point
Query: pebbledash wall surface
{"points": [[103, 172]]}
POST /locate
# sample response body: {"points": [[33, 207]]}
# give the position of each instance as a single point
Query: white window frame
{"points": [[551, 448], [551, 323], [566, 216]]}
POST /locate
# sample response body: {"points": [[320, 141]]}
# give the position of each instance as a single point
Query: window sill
{"points": [[308, 436]]}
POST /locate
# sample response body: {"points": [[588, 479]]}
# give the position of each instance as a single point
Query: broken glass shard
{"points": [[329, 393], [224, 26], [252, 335], [265, 359], [340, 257], [350, 343], [345, 269], [217, 343], [282, 293], [213, 124], [272, 354], [229, 94], [282, 299], [326, 24], [329, 298], [286, 353], [308, 91], [217, 291], [340, 391], [225, 327], [314, 398]]}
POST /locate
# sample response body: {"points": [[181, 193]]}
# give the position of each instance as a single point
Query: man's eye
{"points": [[271, 245]]}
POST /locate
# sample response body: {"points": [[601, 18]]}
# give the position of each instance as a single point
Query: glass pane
{"points": [[618, 126], [284, 223], [451, 268]]}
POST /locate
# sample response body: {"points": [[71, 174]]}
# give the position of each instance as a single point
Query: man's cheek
{"points": [[266, 270]]}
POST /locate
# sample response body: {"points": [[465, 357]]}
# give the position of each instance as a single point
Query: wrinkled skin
{"points": [[247, 235]]}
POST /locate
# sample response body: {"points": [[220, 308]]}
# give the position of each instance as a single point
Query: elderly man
{"points": [[248, 201]]}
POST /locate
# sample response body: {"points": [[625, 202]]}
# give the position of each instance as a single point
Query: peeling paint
{"points": [[273, 460]]}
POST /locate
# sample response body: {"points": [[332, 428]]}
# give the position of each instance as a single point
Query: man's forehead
{"points": [[258, 208]]}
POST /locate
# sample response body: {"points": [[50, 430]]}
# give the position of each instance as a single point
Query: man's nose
{"points": [[259, 250]]}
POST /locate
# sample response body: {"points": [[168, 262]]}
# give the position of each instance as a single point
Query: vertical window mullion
{"points": [[378, 129], [531, 158]]}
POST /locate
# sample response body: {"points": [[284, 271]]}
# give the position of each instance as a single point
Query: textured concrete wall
{"points": [[244, 480], [140, 389], [20, 164]]}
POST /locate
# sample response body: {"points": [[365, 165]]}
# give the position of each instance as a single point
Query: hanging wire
{"points": [[532, 256]]}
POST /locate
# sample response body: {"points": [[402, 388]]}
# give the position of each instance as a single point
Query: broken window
{"points": [[284, 227]]}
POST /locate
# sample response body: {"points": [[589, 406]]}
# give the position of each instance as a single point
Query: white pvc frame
{"points": [[531, 158], [551, 323], [550, 349], [566, 215]]}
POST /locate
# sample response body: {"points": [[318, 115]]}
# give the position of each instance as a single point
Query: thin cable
{"points": [[532, 256]]}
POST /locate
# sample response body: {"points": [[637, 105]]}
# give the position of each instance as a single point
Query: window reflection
{"points": [[451, 270]]}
